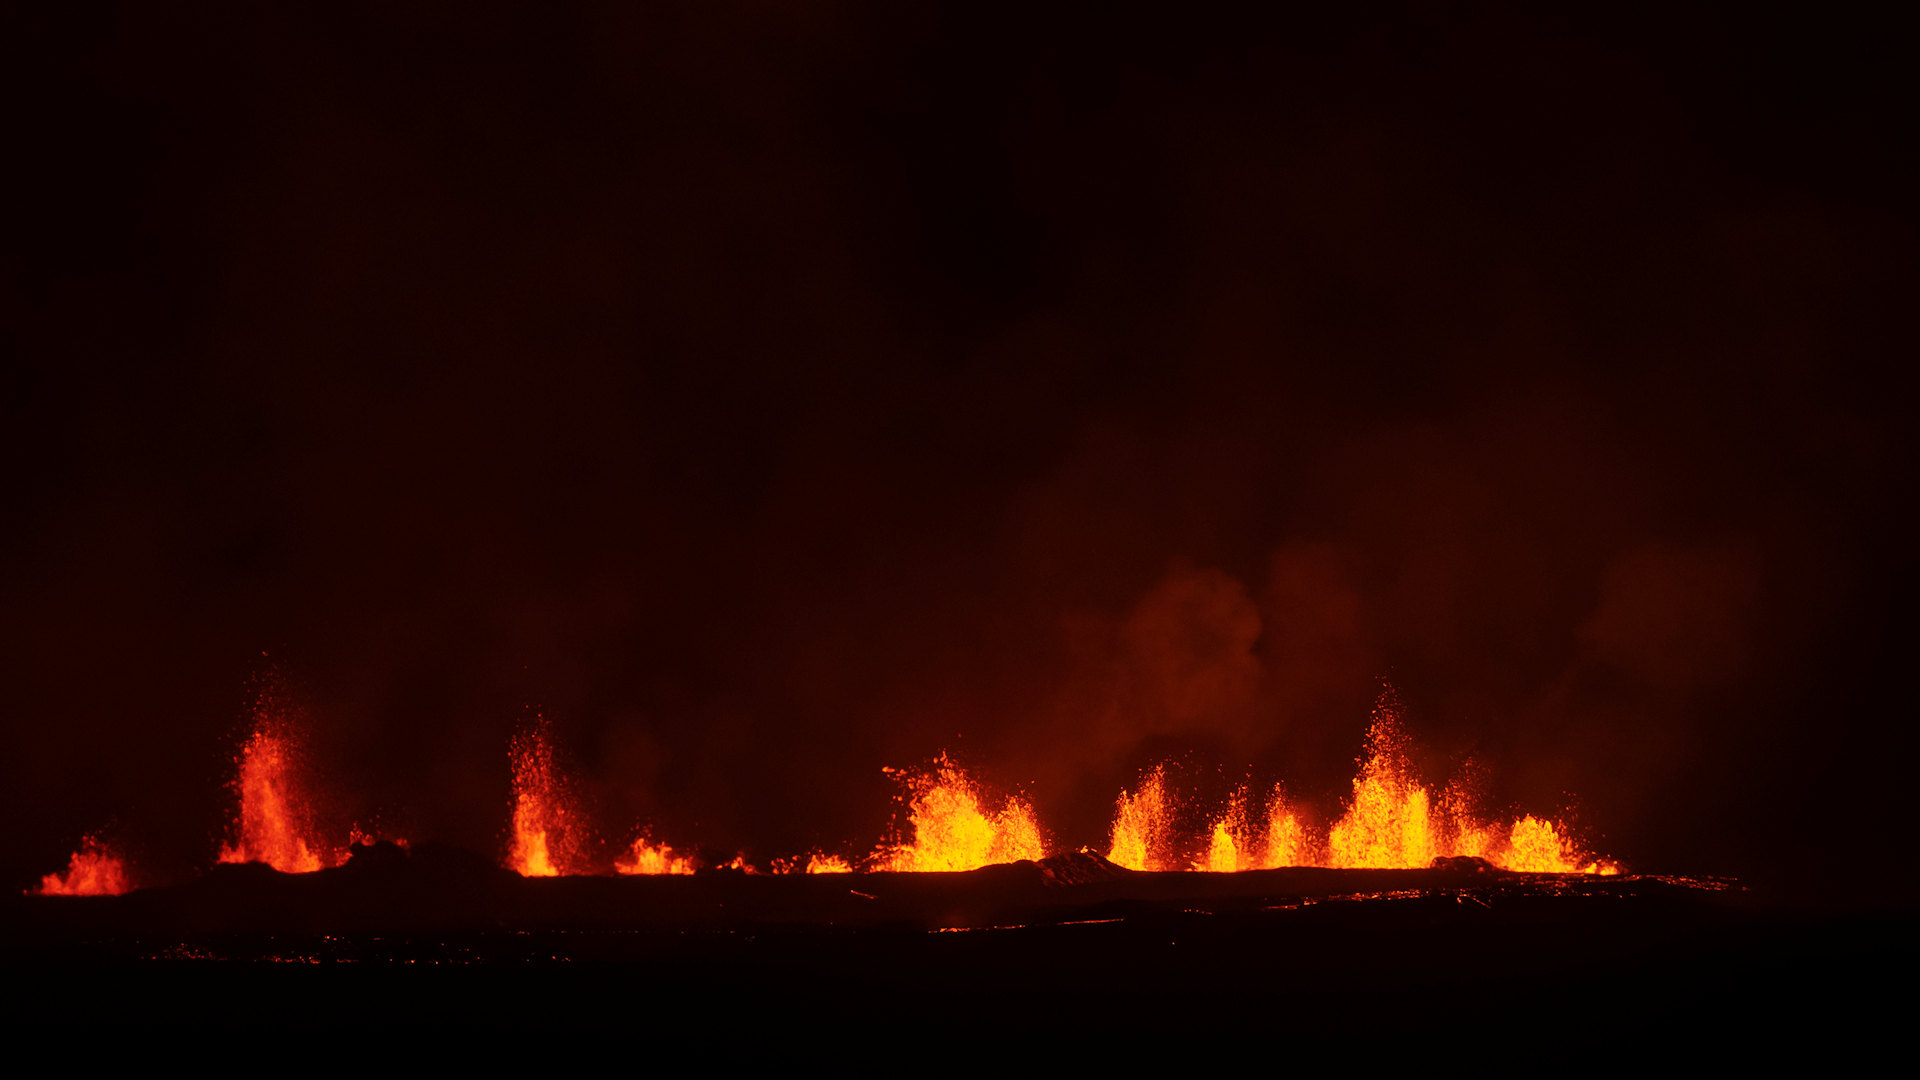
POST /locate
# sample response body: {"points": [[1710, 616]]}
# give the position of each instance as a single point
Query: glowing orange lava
{"points": [[816, 863], [951, 830], [94, 870], [649, 858], [1539, 846], [1230, 848], [1390, 822], [275, 823], [1285, 840], [544, 821], [1142, 826], [1392, 819], [368, 835]]}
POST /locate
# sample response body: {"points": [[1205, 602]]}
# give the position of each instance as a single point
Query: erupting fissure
{"points": [[1389, 823], [1392, 819]]}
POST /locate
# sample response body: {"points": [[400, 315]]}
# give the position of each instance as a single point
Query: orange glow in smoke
{"points": [[275, 823], [94, 870], [953, 831], [544, 829]]}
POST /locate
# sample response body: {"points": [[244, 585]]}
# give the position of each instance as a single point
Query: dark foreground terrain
{"points": [[1452, 960]]}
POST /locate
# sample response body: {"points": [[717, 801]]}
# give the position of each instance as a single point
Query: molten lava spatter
{"points": [[362, 835], [1390, 822], [94, 870], [1285, 840], [1230, 848], [275, 821], [1142, 826], [816, 863], [545, 826], [645, 857], [1536, 845], [952, 831]]}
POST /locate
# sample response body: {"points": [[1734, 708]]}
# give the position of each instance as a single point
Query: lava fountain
{"points": [[1285, 842], [1143, 826], [951, 828], [94, 870], [275, 820], [1391, 821], [545, 832], [1230, 847], [645, 857]]}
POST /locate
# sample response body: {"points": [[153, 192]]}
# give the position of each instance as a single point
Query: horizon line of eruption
{"points": [[1391, 821]]}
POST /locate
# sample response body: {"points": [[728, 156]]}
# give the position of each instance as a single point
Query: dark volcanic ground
{"points": [[440, 942]]}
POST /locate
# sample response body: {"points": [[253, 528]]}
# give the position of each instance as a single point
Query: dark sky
{"points": [[767, 393]]}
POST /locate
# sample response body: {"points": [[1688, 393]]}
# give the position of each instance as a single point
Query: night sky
{"points": [[769, 393]]}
